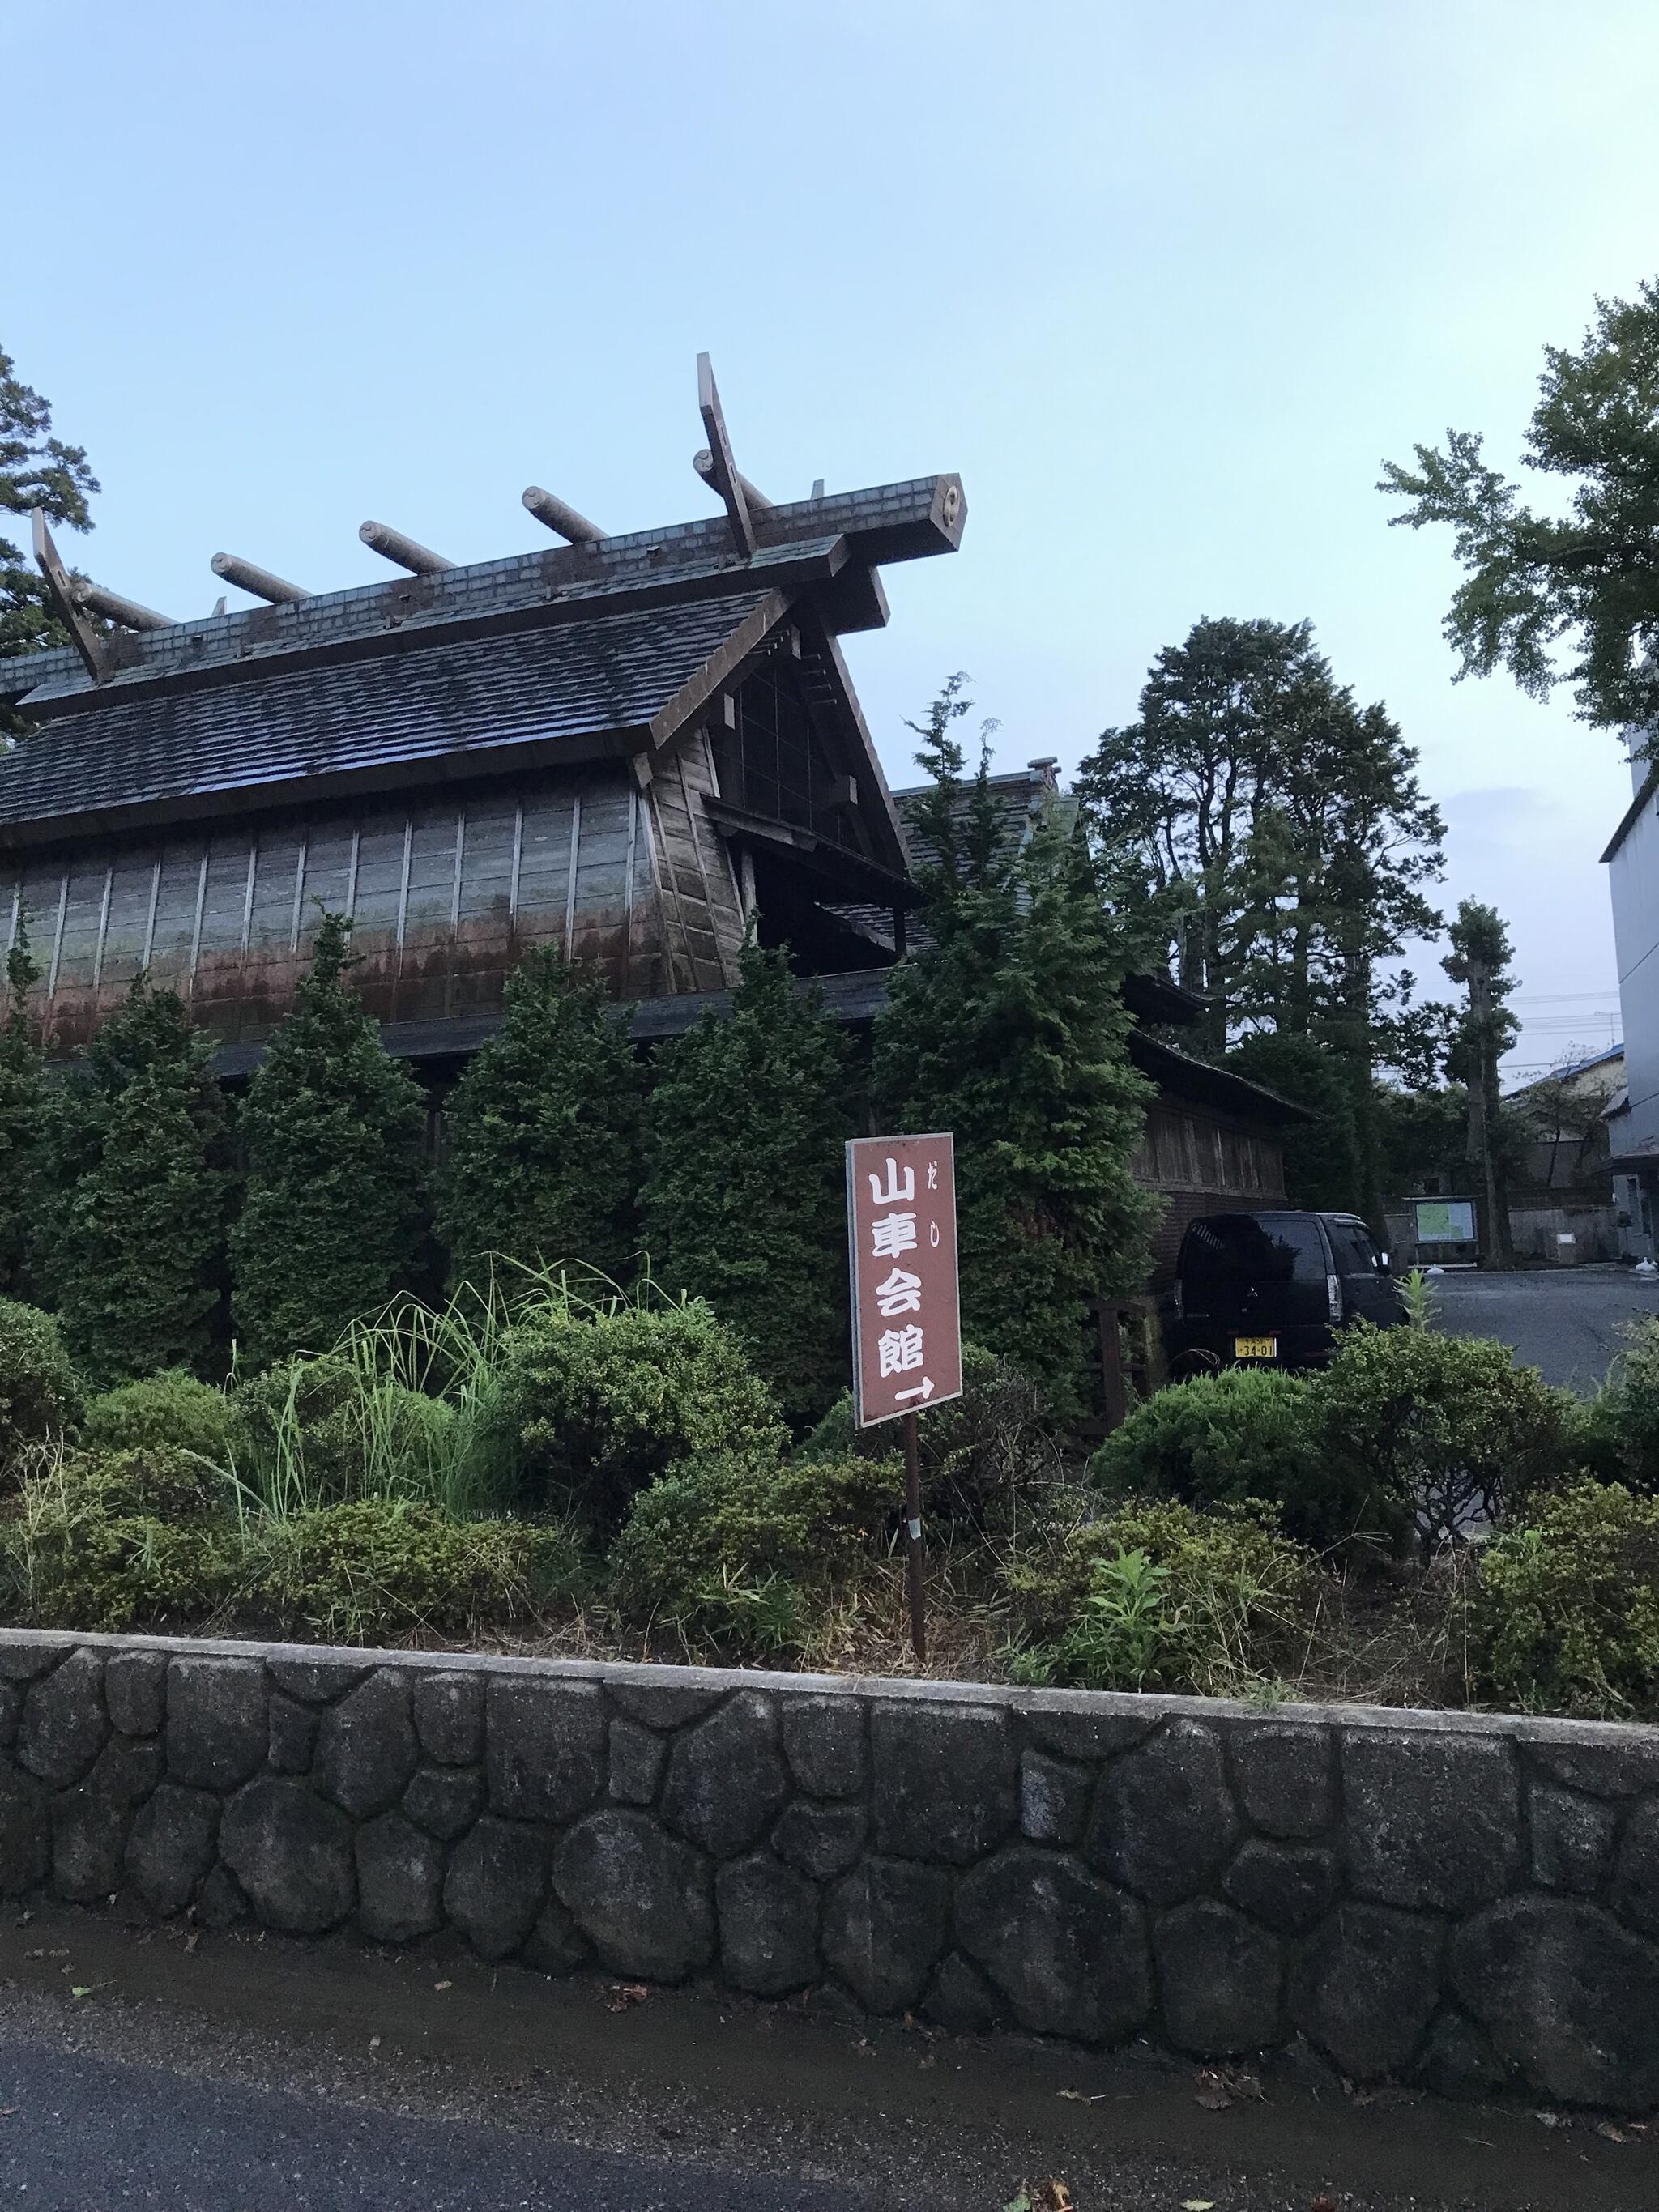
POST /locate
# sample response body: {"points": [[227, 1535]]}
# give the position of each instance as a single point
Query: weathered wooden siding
{"points": [[701, 907], [1199, 1164], [446, 897], [1185, 1151]]}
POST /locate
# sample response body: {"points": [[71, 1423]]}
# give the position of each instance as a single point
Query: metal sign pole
{"points": [[913, 1538]]}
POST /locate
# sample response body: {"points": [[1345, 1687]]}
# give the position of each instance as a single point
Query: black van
{"points": [[1273, 1288]]}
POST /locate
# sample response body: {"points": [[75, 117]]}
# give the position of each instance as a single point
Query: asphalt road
{"points": [[243, 2075], [84, 2133], [1569, 1321]]}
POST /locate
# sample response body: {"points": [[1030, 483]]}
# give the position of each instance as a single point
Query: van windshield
{"points": [[1235, 1248]]}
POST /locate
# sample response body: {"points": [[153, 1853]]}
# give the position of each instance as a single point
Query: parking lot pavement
{"points": [[1569, 1321]]}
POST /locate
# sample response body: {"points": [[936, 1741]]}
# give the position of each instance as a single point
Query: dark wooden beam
{"points": [[722, 469], [60, 590]]}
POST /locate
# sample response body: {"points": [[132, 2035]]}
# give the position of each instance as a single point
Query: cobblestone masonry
{"points": [[1468, 1902]]}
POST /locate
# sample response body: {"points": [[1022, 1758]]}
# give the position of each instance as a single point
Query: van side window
{"points": [[1355, 1253]]}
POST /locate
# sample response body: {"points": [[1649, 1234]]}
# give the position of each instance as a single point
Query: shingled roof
{"points": [[498, 702], [609, 646]]}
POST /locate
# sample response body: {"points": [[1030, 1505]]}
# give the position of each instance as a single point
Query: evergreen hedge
{"points": [[335, 1128], [744, 1202], [131, 1234], [1008, 1027], [543, 1132]]}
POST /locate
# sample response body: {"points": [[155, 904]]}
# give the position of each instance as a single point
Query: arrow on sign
{"points": [[924, 1391]]}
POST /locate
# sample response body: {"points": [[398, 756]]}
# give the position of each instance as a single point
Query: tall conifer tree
{"points": [[335, 1133], [131, 1236], [1008, 1029], [745, 1203], [1480, 960], [543, 1132]]}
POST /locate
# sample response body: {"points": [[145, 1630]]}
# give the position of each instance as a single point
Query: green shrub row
{"points": [[445, 1472], [1405, 1430]]}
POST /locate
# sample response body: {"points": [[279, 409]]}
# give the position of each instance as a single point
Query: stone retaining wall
{"points": [[1469, 1902]]}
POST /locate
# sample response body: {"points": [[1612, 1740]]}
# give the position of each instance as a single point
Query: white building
{"points": [[1632, 861]]}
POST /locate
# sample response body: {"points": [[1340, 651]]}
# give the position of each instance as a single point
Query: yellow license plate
{"points": [[1255, 1347]]}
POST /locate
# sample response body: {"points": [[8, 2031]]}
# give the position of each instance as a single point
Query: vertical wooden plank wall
{"points": [[446, 897]]}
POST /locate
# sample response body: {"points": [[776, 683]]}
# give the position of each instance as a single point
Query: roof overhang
{"points": [[840, 873], [1200, 1083], [1157, 999]]}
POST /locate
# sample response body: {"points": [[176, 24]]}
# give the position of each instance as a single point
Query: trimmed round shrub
{"points": [[1566, 1609], [172, 1408], [39, 1394], [164, 1480], [725, 1543], [377, 1568], [591, 1411], [977, 1454], [1246, 1432], [113, 1541], [1448, 1423], [1160, 1596]]}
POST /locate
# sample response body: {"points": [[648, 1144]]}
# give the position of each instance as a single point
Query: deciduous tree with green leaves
{"points": [[22, 1115], [1590, 576], [130, 1235], [1007, 1027], [543, 1132], [746, 1198], [334, 1130], [36, 470]]}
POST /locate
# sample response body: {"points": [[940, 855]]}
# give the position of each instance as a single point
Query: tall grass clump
{"points": [[412, 1403]]}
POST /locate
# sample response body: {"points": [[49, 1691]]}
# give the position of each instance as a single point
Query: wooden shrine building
{"points": [[623, 745], [614, 744]]}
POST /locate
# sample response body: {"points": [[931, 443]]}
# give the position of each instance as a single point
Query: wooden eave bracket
{"points": [[723, 471], [60, 592]]}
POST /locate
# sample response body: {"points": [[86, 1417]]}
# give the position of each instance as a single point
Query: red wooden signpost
{"points": [[907, 1329]]}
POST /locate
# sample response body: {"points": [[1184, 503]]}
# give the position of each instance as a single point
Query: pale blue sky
{"points": [[1165, 282]]}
